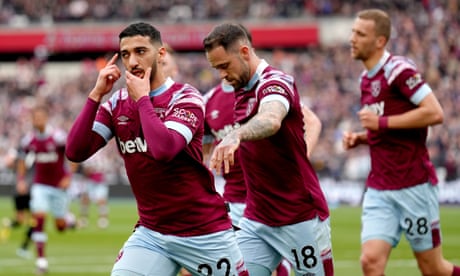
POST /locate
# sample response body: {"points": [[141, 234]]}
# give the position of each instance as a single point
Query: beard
{"points": [[362, 54], [243, 78], [154, 70]]}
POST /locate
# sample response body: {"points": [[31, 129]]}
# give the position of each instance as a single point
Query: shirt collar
{"points": [[260, 68], [372, 72], [227, 88], [46, 132], [162, 88]]}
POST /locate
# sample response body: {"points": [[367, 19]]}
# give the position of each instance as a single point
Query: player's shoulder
{"points": [[274, 75], [275, 81], [114, 100], [272, 72], [186, 93], [58, 134], [395, 60], [27, 139], [58, 131], [212, 92], [398, 64], [186, 88], [185, 96]]}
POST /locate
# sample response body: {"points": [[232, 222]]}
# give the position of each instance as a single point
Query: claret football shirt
{"points": [[282, 185], [47, 149], [175, 197], [399, 157], [220, 120]]}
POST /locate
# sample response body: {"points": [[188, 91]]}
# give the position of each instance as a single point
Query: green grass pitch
{"points": [[92, 251]]}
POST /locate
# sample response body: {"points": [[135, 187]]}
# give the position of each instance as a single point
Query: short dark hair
{"points": [[247, 32], [226, 35], [142, 29]]}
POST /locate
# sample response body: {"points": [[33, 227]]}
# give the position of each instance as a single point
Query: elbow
{"points": [[72, 158], [165, 152], [163, 155], [438, 118], [164, 158], [319, 124], [275, 126], [72, 155]]}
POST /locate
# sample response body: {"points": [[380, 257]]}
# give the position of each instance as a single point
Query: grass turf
{"points": [[92, 251]]}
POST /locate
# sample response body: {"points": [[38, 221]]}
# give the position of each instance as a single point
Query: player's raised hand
{"points": [[21, 187], [65, 182], [138, 86], [224, 153], [106, 78]]}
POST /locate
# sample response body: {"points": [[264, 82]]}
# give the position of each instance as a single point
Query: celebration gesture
{"points": [[137, 86], [107, 77]]}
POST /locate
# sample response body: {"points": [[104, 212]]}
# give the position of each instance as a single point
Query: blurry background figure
{"points": [[44, 144], [23, 215], [94, 189], [7, 162], [21, 198], [169, 63]]}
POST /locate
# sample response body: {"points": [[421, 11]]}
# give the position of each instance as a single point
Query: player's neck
{"points": [[255, 61], [157, 81], [373, 59], [40, 129]]}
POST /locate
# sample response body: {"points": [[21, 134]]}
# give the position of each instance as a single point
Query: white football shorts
{"points": [[148, 252], [413, 211]]}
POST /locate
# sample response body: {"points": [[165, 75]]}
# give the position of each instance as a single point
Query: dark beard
{"points": [[154, 71], [243, 81]]}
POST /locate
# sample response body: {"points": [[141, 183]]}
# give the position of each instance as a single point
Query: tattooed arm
{"points": [[265, 123]]}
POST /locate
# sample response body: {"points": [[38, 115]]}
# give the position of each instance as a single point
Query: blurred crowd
{"points": [[327, 78], [23, 12]]}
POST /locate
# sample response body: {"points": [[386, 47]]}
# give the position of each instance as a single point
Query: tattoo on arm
{"points": [[265, 123]]}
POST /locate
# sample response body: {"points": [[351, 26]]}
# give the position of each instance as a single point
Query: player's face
{"points": [[232, 66], [39, 119], [363, 40], [137, 54]]}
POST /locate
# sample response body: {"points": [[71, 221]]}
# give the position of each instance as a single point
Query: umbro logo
{"points": [[214, 114], [122, 120]]}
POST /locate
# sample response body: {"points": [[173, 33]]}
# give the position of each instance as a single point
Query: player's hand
{"points": [[106, 79], [224, 153], [369, 119], [65, 182], [138, 86], [349, 140], [21, 187]]}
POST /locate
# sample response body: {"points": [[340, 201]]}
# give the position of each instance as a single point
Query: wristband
{"points": [[383, 122]]}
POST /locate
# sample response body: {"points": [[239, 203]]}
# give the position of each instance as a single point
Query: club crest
{"points": [[375, 88], [250, 106]]}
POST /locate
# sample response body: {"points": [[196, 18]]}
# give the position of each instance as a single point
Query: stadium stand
{"points": [[427, 31]]}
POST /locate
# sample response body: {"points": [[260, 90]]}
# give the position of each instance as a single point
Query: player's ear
{"points": [[161, 54], [245, 51], [381, 42]]}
